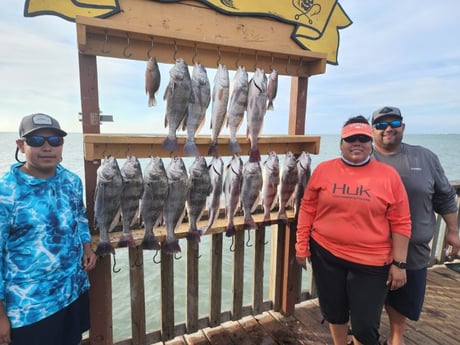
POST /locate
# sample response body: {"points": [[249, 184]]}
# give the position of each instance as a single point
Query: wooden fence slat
{"points": [[215, 304], [137, 291], [167, 295], [192, 286], [258, 274], [238, 275]]}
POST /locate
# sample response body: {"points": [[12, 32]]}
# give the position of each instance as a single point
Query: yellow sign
{"points": [[70, 9], [316, 22]]}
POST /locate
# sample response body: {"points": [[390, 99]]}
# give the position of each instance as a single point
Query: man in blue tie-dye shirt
{"points": [[45, 248]]}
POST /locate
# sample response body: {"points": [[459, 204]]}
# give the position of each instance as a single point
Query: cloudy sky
{"points": [[401, 53]]}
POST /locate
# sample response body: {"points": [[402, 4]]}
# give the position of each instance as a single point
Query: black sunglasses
{"points": [[39, 140], [384, 125], [360, 137]]}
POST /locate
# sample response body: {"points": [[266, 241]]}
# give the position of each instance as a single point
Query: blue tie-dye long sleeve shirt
{"points": [[43, 226]]}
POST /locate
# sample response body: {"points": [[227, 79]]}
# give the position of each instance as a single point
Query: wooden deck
{"points": [[439, 323]]}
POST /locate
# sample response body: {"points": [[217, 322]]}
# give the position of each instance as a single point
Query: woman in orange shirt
{"points": [[354, 227]]}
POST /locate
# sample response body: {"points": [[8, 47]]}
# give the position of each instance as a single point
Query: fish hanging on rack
{"points": [[197, 109], [200, 188], [153, 200], [237, 106], [250, 191], [131, 194], [271, 180], [257, 107], [272, 88], [107, 202], [178, 95], [304, 172], [220, 95], [216, 170], [232, 189], [289, 179], [152, 80], [174, 208]]}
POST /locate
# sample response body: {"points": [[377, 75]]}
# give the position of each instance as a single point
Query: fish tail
{"points": [[104, 248], [234, 146], [231, 230], [267, 218], [194, 235], [213, 150], [190, 149], [249, 222], [254, 155], [282, 216], [270, 105], [126, 241], [152, 101], [150, 243], [170, 144], [170, 246]]}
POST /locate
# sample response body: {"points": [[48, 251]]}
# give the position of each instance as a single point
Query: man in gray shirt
{"points": [[429, 191]]}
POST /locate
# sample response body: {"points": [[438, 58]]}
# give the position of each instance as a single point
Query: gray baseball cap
{"points": [[34, 122], [386, 111]]}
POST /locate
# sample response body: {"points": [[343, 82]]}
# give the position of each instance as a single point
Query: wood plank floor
{"points": [[439, 323]]}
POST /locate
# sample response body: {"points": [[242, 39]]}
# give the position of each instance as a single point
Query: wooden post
{"points": [[297, 117]]}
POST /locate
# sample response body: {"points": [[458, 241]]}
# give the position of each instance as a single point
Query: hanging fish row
{"points": [[165, 195], [188, 98]]}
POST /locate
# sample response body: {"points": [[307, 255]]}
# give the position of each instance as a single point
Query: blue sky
{"points": [[401, 53]]}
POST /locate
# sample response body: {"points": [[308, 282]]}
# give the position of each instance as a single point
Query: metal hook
{"points": [[175, 50], [176, 257], [124, 50], [195, 54], [289, 62], [257, 60], [155, 261], [105, 42], [219, 56], [232, 245], [114, 264], [249, 238], [150, 50]]}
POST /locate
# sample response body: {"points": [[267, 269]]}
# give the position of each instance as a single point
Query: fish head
{"points": [[179, 71], [304, 160], [176, 169], [290, 160], [108, 169], [131, 168], [222, 77]]}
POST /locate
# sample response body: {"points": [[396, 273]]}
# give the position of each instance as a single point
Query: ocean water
{"points": [[445, 146]]}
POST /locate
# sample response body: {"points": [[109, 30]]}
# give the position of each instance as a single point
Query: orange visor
{"points": [[356, 128]]}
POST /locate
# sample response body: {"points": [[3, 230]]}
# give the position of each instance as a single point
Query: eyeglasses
{"points": [[384, 125], [38, 140], [360, 137]]}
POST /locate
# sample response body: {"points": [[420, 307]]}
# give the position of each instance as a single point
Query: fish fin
{"points": [[104, 248], [170, 144], [234, 146], [190, 149], [170, 246], [254, 155]]}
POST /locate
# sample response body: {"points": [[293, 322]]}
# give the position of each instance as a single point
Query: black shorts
{"points": [[350, 290], [408, 300], [62, 328]]}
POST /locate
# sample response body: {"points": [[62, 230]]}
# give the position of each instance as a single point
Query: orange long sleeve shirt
{"points": [[352, 210]]}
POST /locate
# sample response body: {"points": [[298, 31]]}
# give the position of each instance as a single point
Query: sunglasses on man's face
{"points": [[39, 140], [361, 138], [384, 125]]}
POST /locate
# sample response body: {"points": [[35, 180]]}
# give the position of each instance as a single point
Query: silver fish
{"points": [[174, 208], [131, 194], [257, 107], [153, 200], [216, 170], [200, 188], [271, 180], [272, 88], [232, 189], [304, 173], [107, 202], [197, 109], [237, 106], [289, 179], [152, 80], [178, 95], [220, 95], [250, 191]]}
